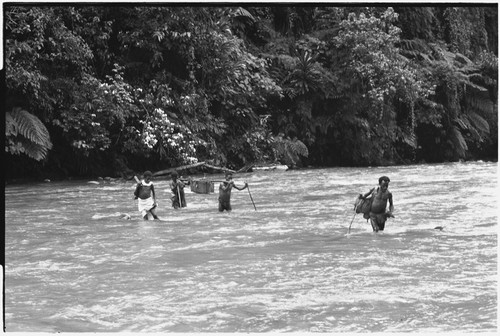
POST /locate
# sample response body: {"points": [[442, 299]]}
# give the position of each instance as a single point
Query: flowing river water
{"points": [[290, 266]]}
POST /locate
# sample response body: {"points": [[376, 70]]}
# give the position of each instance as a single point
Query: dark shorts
{"points": [[224, 206], [378, 221], [175, 201]]}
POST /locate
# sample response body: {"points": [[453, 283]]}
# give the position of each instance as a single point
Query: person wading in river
{"points": [[145, 193], [177, 188], [378, 213], [225, 192]]}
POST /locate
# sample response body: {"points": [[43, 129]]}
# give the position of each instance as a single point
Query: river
{"points": [[290, 266]]}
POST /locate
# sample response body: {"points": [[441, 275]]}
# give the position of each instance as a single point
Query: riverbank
{"points": [[261, 167]]}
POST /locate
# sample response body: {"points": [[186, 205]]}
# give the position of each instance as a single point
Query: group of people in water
{"points": [[376, 199], [146, 196]]}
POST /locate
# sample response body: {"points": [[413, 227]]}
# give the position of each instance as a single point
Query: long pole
{"points": [[349, 231], [179, 195], [248, 188]]}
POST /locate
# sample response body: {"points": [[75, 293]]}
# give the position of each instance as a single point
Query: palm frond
{"points": [[298, 147], [10, 125], [291, 92], [480, 101], [463, 122], [416, 49], [35, 151], [323, 123], [27, 130], [409, 138], [472, 85], [30, 127], [242, 13], [19, 145], [459, 143], [479, 122], [289, 150], [414, 45]]}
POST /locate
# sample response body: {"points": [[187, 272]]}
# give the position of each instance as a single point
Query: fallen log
{"points": [[224, 169], [194, 165], [246, 168], [170, 170], [271, 167]]}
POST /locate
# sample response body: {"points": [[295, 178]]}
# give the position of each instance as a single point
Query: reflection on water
{"points": [[73, 265]]}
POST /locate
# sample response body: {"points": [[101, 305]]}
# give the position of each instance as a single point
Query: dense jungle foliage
{"points": [[107, 90]]}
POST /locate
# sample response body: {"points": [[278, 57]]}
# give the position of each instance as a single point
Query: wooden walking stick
{"points": [[349, 231], [248, 188], [179, 195]]}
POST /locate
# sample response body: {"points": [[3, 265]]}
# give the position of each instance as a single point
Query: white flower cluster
{"points": [[189, 159], [80, 144], [174, 137], [149, 135]]}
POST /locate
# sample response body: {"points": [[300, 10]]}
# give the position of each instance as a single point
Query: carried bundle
{"points": [[202, 186], [363, 205]]}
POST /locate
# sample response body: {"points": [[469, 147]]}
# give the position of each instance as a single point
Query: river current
{"points": [[72, 265]]}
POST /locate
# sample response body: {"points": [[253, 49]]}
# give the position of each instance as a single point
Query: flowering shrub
{"points": [[168, 138], [375, 59]]}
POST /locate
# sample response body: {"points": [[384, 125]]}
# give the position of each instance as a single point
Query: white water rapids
{"points": [[73, 266]]}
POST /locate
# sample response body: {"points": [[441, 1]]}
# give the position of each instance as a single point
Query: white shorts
{"points": [[145, 205]]}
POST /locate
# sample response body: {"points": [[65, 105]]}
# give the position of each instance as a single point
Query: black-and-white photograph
{"points": [[246, 167]]}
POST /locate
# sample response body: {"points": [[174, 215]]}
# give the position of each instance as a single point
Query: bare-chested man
{"points": [[378, 213]]}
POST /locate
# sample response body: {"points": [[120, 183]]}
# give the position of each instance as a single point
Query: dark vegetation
{"points": [[110, 90]]}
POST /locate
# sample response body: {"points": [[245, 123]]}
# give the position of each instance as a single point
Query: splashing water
{"points": [[72, 265]]}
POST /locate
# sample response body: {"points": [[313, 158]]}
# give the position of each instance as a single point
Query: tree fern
{"points": [[479, 100], [289, 151], [415, 45], [459, 144], [323, 123], [298, 147], [25, 133], [479, 122], [408, 137], [241, 16]]}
